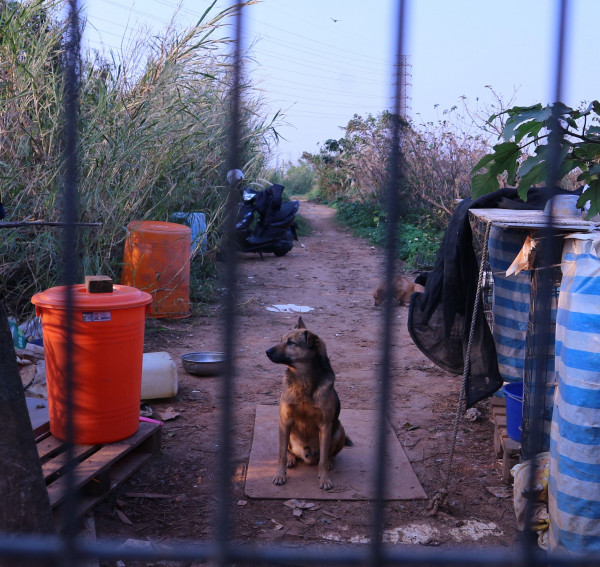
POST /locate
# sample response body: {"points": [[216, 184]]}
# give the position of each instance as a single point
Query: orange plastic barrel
{"points": [[107, 356], [156, 259]]}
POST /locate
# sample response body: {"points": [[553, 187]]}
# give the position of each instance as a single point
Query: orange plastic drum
{"points": [[156, 259], [107, 357]]}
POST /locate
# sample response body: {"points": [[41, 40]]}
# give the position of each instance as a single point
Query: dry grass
{"points": [[153, 140]]}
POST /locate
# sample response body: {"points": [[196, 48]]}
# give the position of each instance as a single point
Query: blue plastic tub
{"points": [[513, 392]]}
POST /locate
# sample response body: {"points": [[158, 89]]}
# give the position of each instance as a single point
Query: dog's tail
{"points": [[348, 442]]}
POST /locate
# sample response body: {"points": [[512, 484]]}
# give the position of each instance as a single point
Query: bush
{"points": [[418, 238], [297, 179], [436, 163]]}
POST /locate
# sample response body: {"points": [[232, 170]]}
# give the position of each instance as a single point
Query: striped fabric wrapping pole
{"points": [[529, 450], [510, 302], [574, 483]]}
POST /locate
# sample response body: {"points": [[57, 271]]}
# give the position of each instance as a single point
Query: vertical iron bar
{"points": [[392, 204], [223, 520], [550, 241], [69, 260]]}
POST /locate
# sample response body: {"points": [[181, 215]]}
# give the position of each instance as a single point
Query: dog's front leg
{"points": [[324, 463], [285, 427]]}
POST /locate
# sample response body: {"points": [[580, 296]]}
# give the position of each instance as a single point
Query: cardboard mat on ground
{"points": [[353, 468]]}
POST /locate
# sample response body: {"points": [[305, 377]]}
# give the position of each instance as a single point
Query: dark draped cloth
{"points": [[439, 318]]}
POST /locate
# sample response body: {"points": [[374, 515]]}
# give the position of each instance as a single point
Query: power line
{"points": [[347, 54], [327, 69], [296, 17], [348, 58], [276, 53], [324, 64]]}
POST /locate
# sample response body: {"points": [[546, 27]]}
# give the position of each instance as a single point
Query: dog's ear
{"points": [[311, 339], [300, 324]]}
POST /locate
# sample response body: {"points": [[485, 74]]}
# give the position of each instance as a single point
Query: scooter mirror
{"points": [[234, 176], [248, 195]]}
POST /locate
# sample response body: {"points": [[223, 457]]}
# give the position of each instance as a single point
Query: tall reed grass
{"points": [[153, 140]]}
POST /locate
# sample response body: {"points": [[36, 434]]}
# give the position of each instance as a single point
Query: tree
{"points": [[355, 166], [526, 157], [24, 504], [439, 159], [369, 141], [333, 168]]}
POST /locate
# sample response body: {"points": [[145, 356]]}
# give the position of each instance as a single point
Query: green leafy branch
{"points": [[529, 128]]}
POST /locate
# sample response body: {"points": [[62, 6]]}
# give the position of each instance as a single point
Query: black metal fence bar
{"points": [[551, 242], [356, 554], [393, 206], [67, 549], [223, 513], [70, 255]]}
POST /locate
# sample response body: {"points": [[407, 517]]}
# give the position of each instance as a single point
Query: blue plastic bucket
{"points": [[513, 392]]}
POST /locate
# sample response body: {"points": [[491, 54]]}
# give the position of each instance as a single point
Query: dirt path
{"points": [[334, 274]]}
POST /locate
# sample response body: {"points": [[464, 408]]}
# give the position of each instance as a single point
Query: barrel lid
{"points": [[122, 297], [158, 227]]}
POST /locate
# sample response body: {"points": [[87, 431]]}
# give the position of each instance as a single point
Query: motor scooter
{"points": [[264, 222]]}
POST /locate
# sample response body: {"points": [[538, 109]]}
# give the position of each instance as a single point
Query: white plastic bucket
{"points": [[159, 376]]}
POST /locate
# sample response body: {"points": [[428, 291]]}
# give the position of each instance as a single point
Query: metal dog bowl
{"points": [[204, 363]]}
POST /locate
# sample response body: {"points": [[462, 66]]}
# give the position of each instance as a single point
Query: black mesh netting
{"points": [[439, 319]]}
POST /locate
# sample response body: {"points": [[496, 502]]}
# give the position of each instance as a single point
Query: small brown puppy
{"points": [[309, 408], [402, 289]]}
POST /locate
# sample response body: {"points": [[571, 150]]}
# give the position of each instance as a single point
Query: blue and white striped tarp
{"points": [[574, 483], [510, 302], [529, 379]]}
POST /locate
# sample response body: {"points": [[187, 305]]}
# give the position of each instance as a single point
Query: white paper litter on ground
{"points": [[290, 308]]}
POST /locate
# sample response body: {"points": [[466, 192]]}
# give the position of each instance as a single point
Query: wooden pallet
{"points": [[98, 469], [506, 448]]}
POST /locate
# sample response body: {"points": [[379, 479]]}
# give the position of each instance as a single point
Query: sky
{"points": [[322, 61]]}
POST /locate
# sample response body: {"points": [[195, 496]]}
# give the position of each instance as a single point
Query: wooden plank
{"points": [[498, 415], [497, 401], [126, 467], [500, 421], [117, 475], [93, 473], [499, 434], [98, 469], [59, 463], [511, 446], [510, 457], [49, 447], [41, 432], [498, 418]]}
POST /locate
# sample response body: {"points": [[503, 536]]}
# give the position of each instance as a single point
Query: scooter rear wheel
{"points": [[281, 249]]}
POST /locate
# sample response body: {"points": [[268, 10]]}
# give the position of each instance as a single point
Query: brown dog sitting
{"points": [[402, 289], [309, 408]]}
